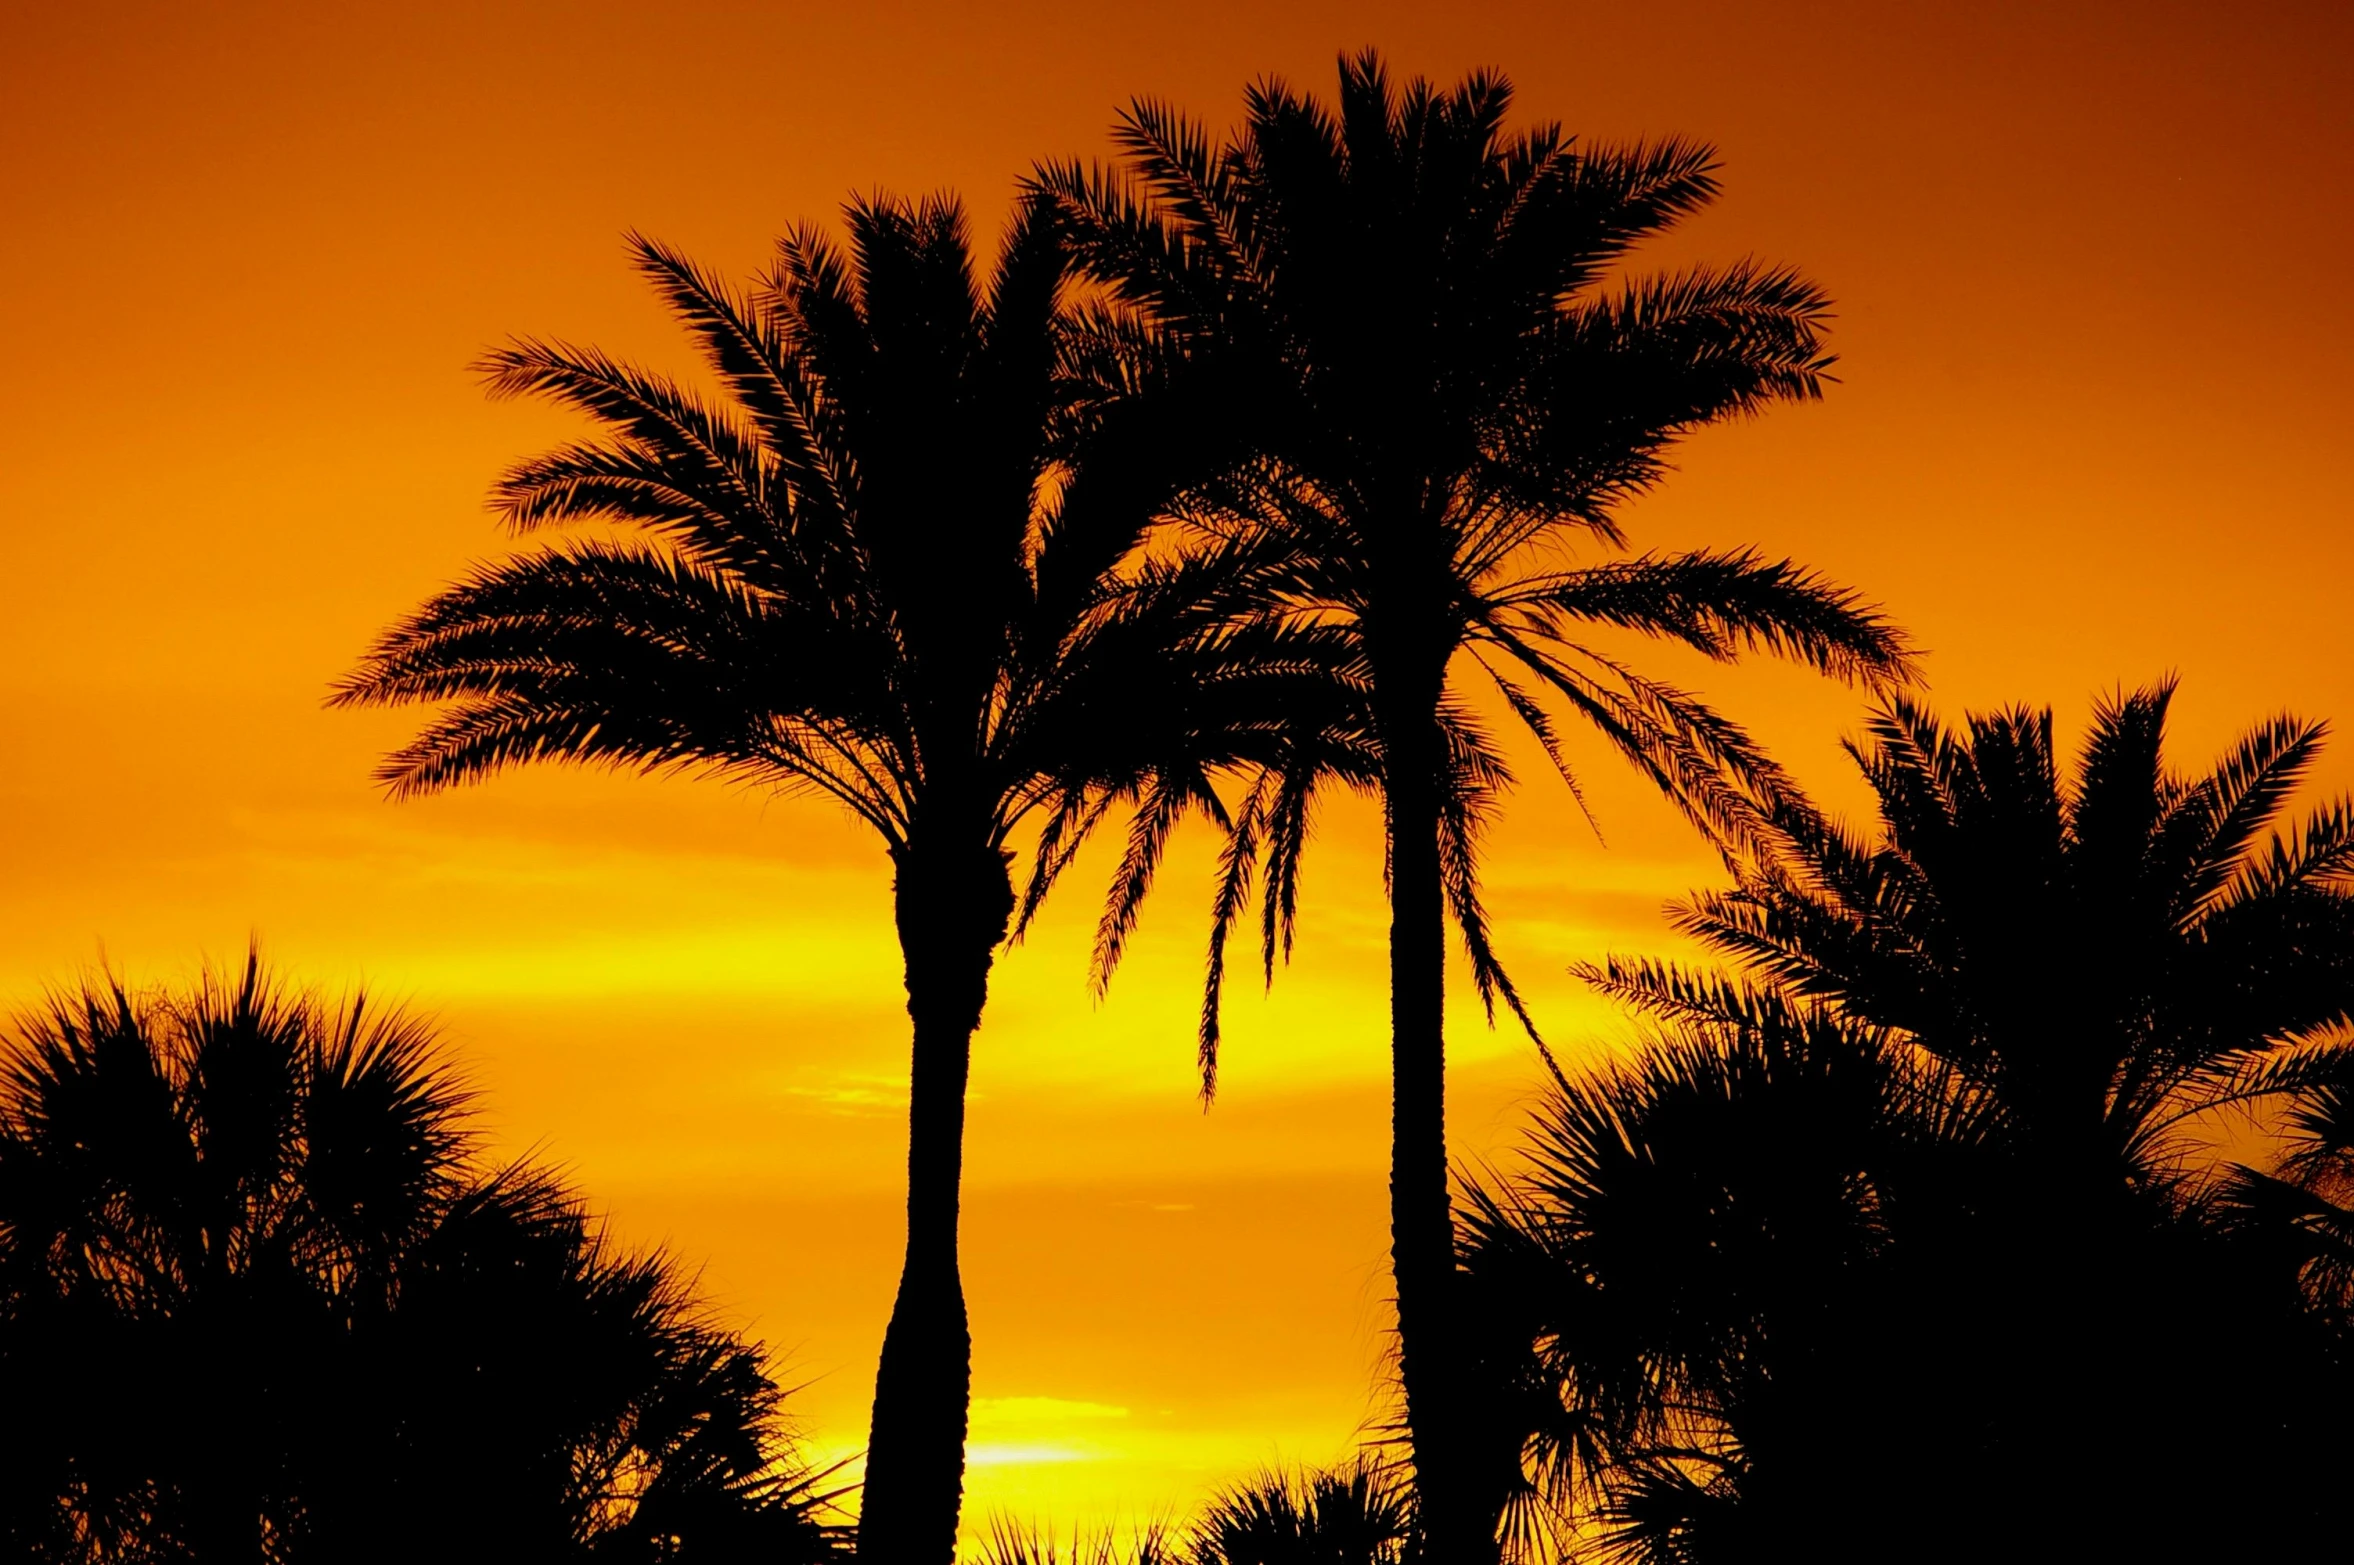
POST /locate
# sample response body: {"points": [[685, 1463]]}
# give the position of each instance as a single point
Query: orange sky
{"points": [[2093, 424]]}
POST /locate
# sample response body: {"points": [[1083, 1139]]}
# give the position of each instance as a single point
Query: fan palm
{"points": [[893, 569], [1355, 1514], [258, 1303], [1406, 313], [1780, 1286], [1726, 1307]]}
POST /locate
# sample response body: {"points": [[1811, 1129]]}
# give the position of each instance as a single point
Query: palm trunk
{"points": [[951, 916], [1422, 1224]]}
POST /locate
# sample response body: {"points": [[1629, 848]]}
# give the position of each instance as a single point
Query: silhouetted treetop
{"points": [[259, 1300]]}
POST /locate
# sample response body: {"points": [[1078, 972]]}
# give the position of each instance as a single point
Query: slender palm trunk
{"points": [[952, 911], [1422, 1223]]}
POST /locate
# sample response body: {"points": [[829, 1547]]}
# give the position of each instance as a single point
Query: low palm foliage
{"points": [[1919, 1243], [1361, 1513], [258, 1302], [1697, 1340], [1011, 1543], [1358, 1514]]}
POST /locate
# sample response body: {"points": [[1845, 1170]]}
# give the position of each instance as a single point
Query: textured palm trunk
{"points": [[1422, 1224], [952, 912]]}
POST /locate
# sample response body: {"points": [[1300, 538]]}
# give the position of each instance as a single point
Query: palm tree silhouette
{"points": [[900, 570], [2107, 959], [1692, 1333], [1404, 310], [1945, 1167], [258, 1302]]}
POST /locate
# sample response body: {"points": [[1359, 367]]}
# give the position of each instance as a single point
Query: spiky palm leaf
{"points": [[1361, 1513]]}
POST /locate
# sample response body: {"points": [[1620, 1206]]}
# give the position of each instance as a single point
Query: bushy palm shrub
{"points": [[1914, 1242], [260, 1302], [1016, 1543], [1358, 1514], [1361, 1513]]}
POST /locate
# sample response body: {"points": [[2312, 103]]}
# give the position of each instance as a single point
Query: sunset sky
{"points": [[2094, 422]]}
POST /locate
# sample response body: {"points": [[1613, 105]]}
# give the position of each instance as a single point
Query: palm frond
{"points": [[1722, 602], [1238, 862], [1166, 799], [1703, 763]]}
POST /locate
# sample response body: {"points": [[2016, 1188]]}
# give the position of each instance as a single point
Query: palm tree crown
{"points": [[1403, 308], [1408, 314], [879, 573], [2104, 957]]}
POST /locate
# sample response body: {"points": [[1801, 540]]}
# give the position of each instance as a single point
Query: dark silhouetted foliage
{"points": [[899, 566], [257, 1303], [1014, 1544], [1920, 1244], [1358, 1514], [1418, 325]]}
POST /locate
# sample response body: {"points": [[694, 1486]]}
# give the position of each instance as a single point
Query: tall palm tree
{"points": [[897, 568], [259, 1301], [1408, 314]]}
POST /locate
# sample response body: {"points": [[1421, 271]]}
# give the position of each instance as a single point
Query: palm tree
{"points": [[258, 1301], [2108, 959], [1405, 312], [1944, 1170], [898, 569]]}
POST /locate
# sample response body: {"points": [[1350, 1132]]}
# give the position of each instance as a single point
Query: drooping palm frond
{"points": [[1721, 603]]}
